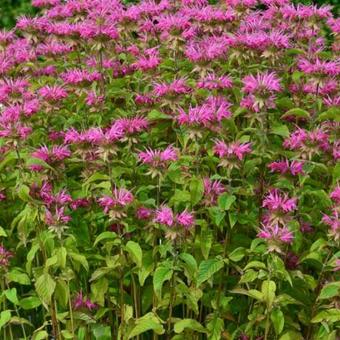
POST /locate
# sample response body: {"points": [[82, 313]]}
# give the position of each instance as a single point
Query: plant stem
{"points": [[70, 309]]}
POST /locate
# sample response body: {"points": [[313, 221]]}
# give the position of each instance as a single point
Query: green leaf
{"points": [[5, 316], [237, 254], [331, 114], [268, 290], [206, 239], [45, 287], [330, 290], [135, 251], [19, 277], [3, 232], [225, 201], [162, 273], [24, 193], [216, 215], [30, 302], [296, 112], [255, 294], [330, 315], [215, 327], [106, 235], [192, 324], [180, 196], [196, 190], [147, 323], [99, 289], [207, 269], [278, 320], [156, 115], [190, 265], [11, 295], [255, 264], [292, 335], [281, 130], [40, 335], [249, 276], [80, 259], [101, 332]]}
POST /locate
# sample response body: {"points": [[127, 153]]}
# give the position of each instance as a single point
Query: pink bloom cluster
{"points": [[5, 255], [167, 217], [211, 112], [333, 219], [81, 302], [158, 158], [274, 226], [120, 198], [53, 156], [235, 150], [212, 190], [283, 167], [308, 143]]}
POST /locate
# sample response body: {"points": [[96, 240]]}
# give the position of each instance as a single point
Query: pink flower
{"points": [[120, 198], [333, 222], [132, 125], [275, 201], [212, 189], [261, 83], [212, 82], [78, 76], [284, 167], [80, 203], [233, 150], [148, 61], [307, 142], [335, 194], [177, 87], [81, 302], [144, 213], [213, 110], [5, 255], [276, 233], [158, 158], [93, 98], [164, 216], [185, 219], [56, 154]]}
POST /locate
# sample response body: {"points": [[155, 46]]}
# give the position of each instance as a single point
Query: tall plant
{"points": [[170, 169]]}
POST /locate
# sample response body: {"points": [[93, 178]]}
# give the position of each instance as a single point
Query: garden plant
{"points": [[170, 170]]}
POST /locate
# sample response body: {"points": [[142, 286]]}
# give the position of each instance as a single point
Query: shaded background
{"points": [[10, 9]]}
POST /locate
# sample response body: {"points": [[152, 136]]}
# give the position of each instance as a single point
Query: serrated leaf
{"points": [[11, 295], [106, 235], [196, 190], [192, 324], [278, 320], [5, 316], [281, 130], [296, 112], [135, 252], [162, 274], [207, 269], [330, 290], [17, 276], [30, 302], [3, 232], [225, 201], [146, 323], [45, 287], [237, 254], [268, 290]]}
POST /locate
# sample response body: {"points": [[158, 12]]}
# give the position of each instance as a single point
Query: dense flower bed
{"points": [[170, 170]]}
